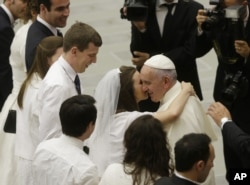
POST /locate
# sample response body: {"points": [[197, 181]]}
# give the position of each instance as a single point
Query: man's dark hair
{"points": [[46, 3], [190, 149], [76, 113]]}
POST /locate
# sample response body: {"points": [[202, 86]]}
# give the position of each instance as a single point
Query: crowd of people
{"points": [[143, 125]]}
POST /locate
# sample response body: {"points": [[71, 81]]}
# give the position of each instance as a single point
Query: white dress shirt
{"points": [[61, 161], [57, 86]]}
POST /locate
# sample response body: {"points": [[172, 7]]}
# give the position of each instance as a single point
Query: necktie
{"points": [[59, 33], [77, 84], [169, 15]]}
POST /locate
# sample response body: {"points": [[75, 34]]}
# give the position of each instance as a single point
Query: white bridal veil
{"points": [[106, 96]]}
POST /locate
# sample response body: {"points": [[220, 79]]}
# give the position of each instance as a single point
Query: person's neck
{"points": [[66, 56]]}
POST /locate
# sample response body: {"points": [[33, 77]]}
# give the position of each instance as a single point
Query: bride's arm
{"points": [[177, 106]]}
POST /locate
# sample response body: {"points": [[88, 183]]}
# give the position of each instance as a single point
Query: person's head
{"points": [[147, 149], [78, 116], [131, 91], [47, 52], [194, 155], [158, 75], [31, 11], [80, 46], [54, 12], [16, 7]]}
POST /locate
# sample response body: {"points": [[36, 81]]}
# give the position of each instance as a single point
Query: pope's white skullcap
{"points": [[160, 62]]}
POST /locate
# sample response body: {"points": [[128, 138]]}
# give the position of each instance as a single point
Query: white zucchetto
{"points": [[160, 62]]}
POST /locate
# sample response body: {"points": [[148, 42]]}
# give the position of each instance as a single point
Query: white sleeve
{"points": [[50, 100]]}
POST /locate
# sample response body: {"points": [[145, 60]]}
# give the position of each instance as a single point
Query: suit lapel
{"points": [[5, 15], [44, 28]]}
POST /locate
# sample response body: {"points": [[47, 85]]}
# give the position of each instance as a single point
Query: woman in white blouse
{"points": [[48, 51]]}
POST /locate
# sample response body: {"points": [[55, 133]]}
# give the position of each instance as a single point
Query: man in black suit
{"points": [[234, 138], [52, 14], [173, 39], [10, 10], [194, 155], [232, 83]]}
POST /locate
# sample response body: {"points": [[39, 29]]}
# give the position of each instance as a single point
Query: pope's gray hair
{"points": [[171, 73]]}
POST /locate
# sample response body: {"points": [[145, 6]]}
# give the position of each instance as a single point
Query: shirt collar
{"points": [[162, 2], [51, 28], [72, 141], [12, 20], [67, 68], [182, 177], [172, 93]]}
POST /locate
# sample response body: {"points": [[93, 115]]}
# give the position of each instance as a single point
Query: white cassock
{"points": [[193, 119]]}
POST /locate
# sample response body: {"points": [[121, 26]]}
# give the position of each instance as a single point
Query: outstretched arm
{"points": [[177, 106]]}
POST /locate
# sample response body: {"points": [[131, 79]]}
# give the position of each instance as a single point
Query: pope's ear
{"points": [[167, 81]]}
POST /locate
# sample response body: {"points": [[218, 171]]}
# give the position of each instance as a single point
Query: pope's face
{"points": [[153, 83]]}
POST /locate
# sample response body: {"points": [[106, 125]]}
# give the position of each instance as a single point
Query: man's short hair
{"points": [[76, 113], [80, 35], [46, 3], [190, 149]]}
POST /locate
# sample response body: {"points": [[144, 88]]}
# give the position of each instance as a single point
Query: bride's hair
{"points": [[127, 100]]}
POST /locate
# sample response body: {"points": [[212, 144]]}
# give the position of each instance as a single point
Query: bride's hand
{"points": [[188, 87]]}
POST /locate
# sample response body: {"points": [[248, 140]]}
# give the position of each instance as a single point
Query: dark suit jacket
{"points": [[239, 144], [176, 42], [36, 33], [174, 180], [6, 37], [240, 108]]}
